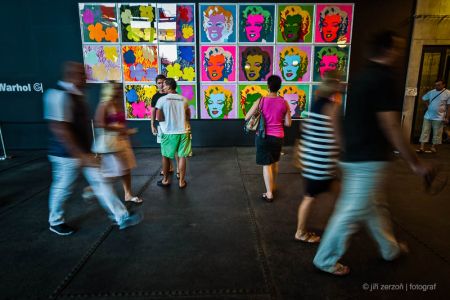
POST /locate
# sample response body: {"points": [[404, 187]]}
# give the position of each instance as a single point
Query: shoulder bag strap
{"points": [[437, 95]]}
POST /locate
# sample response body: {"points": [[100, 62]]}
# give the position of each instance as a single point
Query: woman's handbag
{"points": [[256, 122], [106, 141]]}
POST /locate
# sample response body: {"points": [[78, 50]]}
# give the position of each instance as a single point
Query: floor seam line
{"points": [[268, 278]]}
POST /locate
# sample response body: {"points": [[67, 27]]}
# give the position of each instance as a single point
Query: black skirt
{"points": [[268, 150]]}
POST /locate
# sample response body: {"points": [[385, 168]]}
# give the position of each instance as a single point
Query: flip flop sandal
{"points": [[267, 199], [307, 237], [420, 151], [183, 186], [338, 270], [161, 184], [135, 200]]}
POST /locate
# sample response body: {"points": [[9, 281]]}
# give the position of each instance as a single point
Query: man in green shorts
{"points": [[173, 109]]}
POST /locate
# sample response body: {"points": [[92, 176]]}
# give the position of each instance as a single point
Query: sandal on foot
{"points": [[178, 175], [338, 270], [420, 151], [182, 186], [307, 237], [267, 199], [134, 199], [161, 184]]}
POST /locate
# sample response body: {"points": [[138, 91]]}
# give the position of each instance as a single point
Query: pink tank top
{"points": [[274, 110]]}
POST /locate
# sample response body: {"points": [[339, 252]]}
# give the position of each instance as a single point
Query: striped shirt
{"points": [[318, 149]]}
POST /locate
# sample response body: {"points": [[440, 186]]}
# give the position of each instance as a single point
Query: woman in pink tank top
{"points": [[276, 113], [110, 115]]}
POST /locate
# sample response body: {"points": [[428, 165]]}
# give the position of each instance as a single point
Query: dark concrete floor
{"points": [[213, 240]]}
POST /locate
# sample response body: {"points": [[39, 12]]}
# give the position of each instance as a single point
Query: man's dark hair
{"points": [[171, 83], [160, 76], [274, 83], [440, 79], [381, 42]]}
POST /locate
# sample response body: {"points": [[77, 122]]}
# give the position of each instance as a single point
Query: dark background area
{"points": [[40, 35]]}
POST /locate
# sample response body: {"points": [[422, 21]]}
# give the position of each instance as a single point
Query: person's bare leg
{"points": [[182, 170], [166, 166], [126, 182], [268, 180], [177, 163], [303, 213], [275, 176]]}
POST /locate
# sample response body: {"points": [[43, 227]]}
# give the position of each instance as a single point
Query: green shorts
{"points": [[176, 143]]}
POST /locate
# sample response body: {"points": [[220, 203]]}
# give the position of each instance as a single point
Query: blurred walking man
{"points": [[69, 152], [371, 126]]}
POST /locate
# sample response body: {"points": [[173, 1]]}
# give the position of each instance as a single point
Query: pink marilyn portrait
{"points": [[333, 23], [218, 63], [293, 63], [256, 63]]}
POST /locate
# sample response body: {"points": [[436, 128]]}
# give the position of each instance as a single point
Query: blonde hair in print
{"points": [[292, 89], [303, 59], [292, 11], [216, 89], [251, 89]]}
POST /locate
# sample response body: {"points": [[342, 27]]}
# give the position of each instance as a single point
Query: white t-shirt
{"points": [[174, 108], [438, 107]]}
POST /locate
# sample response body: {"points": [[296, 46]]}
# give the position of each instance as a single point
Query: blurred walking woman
{"points": [[276, 113], [111, 116]]}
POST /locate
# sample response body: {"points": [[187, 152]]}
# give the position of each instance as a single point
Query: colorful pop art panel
{"points": [[138, 99], [167, 22], [190, 92], [293, 62], [298, 98], [330, 58], [140, 63], [178, 62], [255, 63], [99, 23], [138, 23], [218, 102], [218, 63], [185, 23], [295, 23], [102, 63], [218, 23], [334, 23], [248, 94], [256, 23]]}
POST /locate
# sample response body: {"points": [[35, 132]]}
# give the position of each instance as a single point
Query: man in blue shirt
{"points": [[437, 114]]}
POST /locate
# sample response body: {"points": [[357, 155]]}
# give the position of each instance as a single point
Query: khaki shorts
{"points": [[176, 143]]}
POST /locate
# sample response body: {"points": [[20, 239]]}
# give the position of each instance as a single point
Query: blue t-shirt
{"points": [[437, 108]]}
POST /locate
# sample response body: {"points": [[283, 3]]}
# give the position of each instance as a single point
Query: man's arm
{"points": [[389, 122], [63, 133], [153, 117]]}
